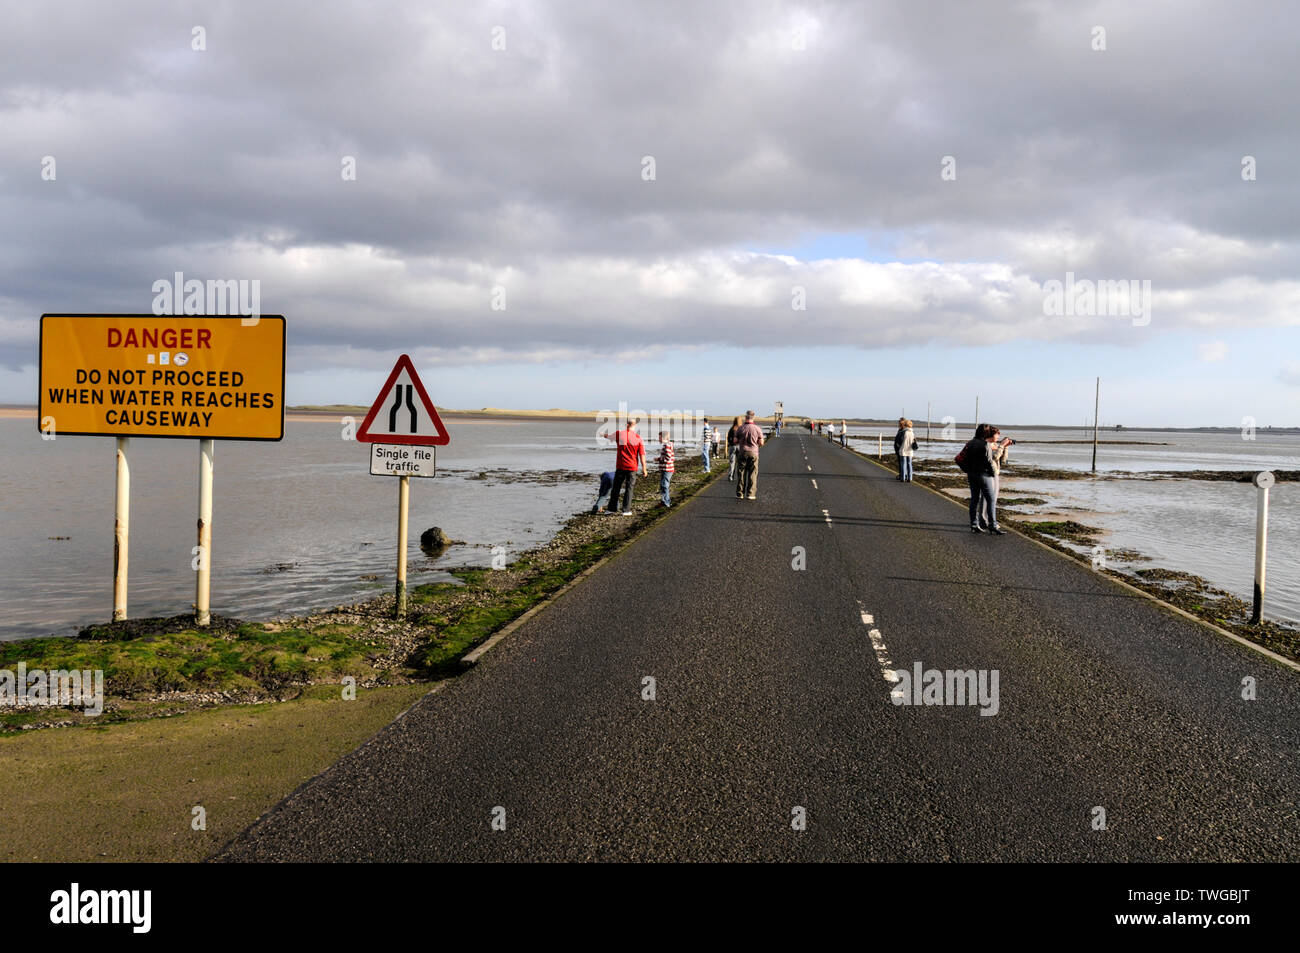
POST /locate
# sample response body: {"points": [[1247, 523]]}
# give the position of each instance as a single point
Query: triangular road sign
{"points": [[396, 417]]}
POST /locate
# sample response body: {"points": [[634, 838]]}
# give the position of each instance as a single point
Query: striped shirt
{"points": [[667, 458]]}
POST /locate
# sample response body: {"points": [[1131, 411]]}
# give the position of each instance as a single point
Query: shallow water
{"points": [[1198, 526], [296, 524], [299, 524]]}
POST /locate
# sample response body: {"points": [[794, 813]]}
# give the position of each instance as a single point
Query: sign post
{"points": [[203, 567], [399, 431], [403, 509], [121, 529], [176, 376]]}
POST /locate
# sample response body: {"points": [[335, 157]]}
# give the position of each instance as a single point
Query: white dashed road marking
{"points": [[814, 484], [882, 653], [828, 517]]}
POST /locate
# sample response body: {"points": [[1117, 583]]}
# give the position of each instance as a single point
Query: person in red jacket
{"points": [[631, 457]]}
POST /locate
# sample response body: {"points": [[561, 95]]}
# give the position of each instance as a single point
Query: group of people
{"points": [[982, 459], [743, 440], [827, 427]]}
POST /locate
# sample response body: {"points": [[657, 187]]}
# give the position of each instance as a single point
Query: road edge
{"points": [[470, 659]]}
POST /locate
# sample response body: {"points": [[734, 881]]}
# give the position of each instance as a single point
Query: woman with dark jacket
{"points": [[731, 450], [983, 463]]}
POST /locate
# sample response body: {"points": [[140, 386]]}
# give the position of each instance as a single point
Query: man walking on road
{"points": [[706, 439], [631, 457], [749, 437]]}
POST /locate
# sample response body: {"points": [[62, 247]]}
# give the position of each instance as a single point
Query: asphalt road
{"points": [[770, 695]]}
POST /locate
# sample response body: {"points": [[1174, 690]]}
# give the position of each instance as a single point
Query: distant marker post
{"points": [[1263, 481], [1096, 410]]}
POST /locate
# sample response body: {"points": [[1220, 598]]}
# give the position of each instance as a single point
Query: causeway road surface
{"points": [[772, 631]]}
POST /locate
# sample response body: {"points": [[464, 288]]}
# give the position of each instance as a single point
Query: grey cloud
{"points": [[472, 161]]}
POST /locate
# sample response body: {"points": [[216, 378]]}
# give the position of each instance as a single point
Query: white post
{"points": [[121, 529], [880, 445], [1096, 409], [202, 594], [403, 498], [1263, 480]]}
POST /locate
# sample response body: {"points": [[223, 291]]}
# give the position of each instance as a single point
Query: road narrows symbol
{"points": [[404, 405]]}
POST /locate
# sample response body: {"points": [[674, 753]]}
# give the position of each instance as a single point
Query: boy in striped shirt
{"points": [[667, 464]]}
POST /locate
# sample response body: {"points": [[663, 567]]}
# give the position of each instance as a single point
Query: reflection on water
{"points": [[296, 525]]}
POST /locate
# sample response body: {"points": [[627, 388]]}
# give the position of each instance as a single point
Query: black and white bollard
{"points": [[1263, 481]]}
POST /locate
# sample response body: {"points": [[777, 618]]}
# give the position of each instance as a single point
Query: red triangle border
{"points": [[364, 435]]}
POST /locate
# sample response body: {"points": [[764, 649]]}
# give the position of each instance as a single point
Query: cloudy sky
{"points": [[570, 204]]}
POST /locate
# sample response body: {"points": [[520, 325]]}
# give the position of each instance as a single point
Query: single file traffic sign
{"points": [[395, 459], [397, 417]]}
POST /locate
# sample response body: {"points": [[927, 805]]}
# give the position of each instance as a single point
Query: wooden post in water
{"points": [[927, 422], [977, 410], [202, 588], [1096, 406], [403, 499], [1263, 481], [121, 529]]}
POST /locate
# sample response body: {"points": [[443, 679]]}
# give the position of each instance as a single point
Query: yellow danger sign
{"points": [[145, 375]]}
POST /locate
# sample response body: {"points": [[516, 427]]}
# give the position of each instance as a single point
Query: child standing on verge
{"points": [[606, 485], [667, 464]]}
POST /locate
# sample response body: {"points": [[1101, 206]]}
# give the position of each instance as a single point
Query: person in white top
{"points": [[904, 446]]}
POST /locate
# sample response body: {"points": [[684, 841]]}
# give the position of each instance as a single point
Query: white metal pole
{"points": [[202, 594], [403, 499], [121, 529], [1263, 481]]}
